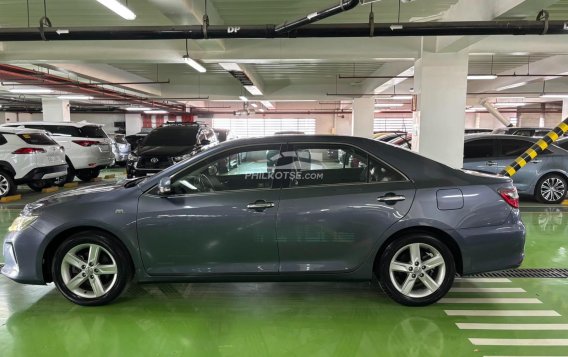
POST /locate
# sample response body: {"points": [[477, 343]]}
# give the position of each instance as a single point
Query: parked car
{"points": [[29, 157], [223, 135], [544, 178], [167, 145], [408, 220], [563, 143], [120, 148], [531, 132], [87, 146], [289, 132], [478, 131], [401, 139], [135, 139]]}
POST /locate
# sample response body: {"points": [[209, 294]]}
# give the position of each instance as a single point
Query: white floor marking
{"points": [[487, 290], [482, 280], [513, 327], [519, 342], [489, 301], [503, 313]]}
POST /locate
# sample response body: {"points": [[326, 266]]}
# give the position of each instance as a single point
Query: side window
{"points": [[564, 145], [243, 169], [314, 165], [514, 148], [3, 140], [477, 149]]}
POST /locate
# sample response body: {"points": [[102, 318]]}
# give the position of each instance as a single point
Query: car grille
{"points": [[154, 162]]}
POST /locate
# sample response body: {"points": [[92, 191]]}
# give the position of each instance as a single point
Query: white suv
{"points": [[29, 157], [87, 146]]}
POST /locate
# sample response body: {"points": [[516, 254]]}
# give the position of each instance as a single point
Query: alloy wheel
{"points": [[553, 189], [4, 185], [89, 270], [417, 270]]}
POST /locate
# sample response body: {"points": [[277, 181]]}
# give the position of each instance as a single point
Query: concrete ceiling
{"points": [[284, 68]]}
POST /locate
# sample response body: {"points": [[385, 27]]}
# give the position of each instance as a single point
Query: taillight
{"points": [[510, 195], [86, 143], [27, 151]]}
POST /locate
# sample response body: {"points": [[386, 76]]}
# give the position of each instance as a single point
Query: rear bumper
{"points": [[493, 248], [44, 173], [22, 256]]}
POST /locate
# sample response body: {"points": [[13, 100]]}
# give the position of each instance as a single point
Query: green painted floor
{"points": [[302, 319]]}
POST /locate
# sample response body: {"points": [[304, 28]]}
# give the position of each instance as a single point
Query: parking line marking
{"points": [[512, 327], [487, 290], [504, 313], [482, 280], [519, 342], [489, 301]]}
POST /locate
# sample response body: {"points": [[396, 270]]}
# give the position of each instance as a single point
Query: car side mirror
{"points": [[165, 186], [205, 142]]}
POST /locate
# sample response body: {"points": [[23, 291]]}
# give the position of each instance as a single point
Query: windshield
{"points": [[172, 136], [92, 131]]}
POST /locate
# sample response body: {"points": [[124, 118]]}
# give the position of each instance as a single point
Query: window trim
{"points": [[499, 154]]}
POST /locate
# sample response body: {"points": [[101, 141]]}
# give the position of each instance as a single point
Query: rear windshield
{"points": [[90, 131], [172, 136], [36, 139]]}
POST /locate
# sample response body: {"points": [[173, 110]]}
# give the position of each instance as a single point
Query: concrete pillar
{"points": [[439, 123], [564, 109], [363, 117], [55, 109], [133, 123]]}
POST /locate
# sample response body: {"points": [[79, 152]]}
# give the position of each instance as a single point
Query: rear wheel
{"points": [[551, 189], [91, 269], [416, 270], [7, 184], [39, 185], [87, 175]]}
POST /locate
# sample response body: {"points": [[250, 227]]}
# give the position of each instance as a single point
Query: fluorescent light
{"points": [[119, 9], [511, 86], [231, 67], [253, 90], [192, 63], [509, 105], [267, 104], [254, 105], [388, 105], [75, 97], [156, 112], [400, 97], [481, 77], [261, 110], [137, 109], [31, 91], [243, 98], [555, 96], [475, 109]]}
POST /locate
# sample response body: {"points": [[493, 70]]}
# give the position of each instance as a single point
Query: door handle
{"points": [[260, 205], [536, 161], [491, 163], [391, 199]]}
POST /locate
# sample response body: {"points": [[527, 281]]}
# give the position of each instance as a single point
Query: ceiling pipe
{"points": [[491, 109], [344, 5], [195, 32]]}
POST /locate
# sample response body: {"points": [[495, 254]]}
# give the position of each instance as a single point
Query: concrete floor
{"points": [[302, 319]]}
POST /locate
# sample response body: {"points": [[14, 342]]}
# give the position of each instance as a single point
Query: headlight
{"points": [[21, 223], [132, 157]]}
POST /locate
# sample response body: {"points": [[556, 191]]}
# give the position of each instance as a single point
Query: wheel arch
{"points": [[444, 237], [57, 240], [4, 165]]}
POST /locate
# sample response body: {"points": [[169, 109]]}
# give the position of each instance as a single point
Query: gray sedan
{"points": [[310, 208], [544, 178]]}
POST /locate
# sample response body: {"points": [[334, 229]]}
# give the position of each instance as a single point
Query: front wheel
{"points": [[416, 270], [7, 185], [91, 269], [551, 189]]}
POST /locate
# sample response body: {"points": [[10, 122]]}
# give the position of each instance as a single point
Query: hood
{"points": [[164, 150]]}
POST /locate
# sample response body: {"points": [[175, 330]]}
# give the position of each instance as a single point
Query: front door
{"points": [[220, 217]]}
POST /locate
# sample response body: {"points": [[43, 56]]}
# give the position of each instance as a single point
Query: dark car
{"points": [[478, 131], [531, 132], [168, 145], [383, 211], [135, 139], [544, 178]]}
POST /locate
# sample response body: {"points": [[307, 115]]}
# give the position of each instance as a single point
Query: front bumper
{"points": [[44, 173], [23, 253]]}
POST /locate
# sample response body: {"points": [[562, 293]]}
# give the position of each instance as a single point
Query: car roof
{"points": [[18, 130], [66, 123], [499, 137]]}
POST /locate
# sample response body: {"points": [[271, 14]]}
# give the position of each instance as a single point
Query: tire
{"points": [[551, 189], [39, 185], [440, 276], [95, 286], [70, 173], [7, 185], [87, 175]]}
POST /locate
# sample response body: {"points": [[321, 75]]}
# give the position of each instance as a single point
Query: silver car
{"points": [[120, 148], [288, 210], [544, 178]]}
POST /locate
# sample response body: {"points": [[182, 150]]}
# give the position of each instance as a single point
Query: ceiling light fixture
{"points": [[399, 97], [511, 86], [194, 64], [75, 97], [137, 109], [119, 9], [481, 77], [388, 105], [231, 67], [253, 90], [254, 105], [31, 91], [509, 105], [555, 96], [243, 98], [267, 104], [156, 112]]}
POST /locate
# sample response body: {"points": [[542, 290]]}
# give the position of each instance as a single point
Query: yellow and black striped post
{"points": [[536, 149]]}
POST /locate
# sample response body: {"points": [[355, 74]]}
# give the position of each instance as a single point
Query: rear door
{"points": [[481, 155], [335, 205]]}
